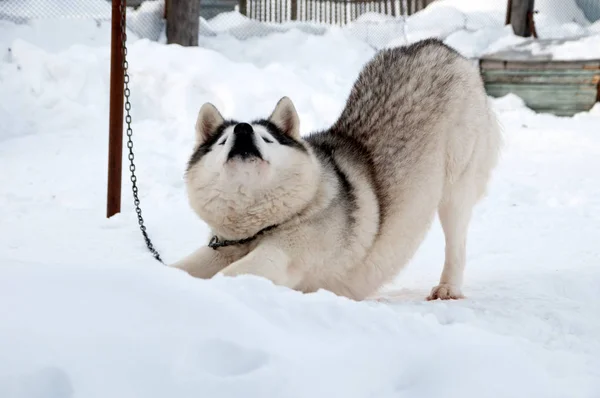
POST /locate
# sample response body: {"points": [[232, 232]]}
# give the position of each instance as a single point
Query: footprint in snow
{"points": [[226, 359]]}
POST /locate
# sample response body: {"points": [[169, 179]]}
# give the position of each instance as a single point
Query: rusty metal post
{"points": [[115, 124], [532, 24]]}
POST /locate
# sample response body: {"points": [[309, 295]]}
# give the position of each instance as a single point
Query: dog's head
{"points": [[244, 176]]}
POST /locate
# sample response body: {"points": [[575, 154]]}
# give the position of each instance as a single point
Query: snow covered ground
{"points": [[86, 312]]}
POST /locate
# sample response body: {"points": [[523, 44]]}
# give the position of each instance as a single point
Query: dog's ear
{"points": [[285, 117], [209, 119]]}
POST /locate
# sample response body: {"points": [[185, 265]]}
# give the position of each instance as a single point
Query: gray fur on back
{"points": [[399, 94], [398, 101]]}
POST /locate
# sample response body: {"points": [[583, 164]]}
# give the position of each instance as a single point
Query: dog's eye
{"points": [[268, 141]]}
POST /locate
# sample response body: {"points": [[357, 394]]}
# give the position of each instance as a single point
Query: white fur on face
{"points": [[278, 161], [240, 196]]}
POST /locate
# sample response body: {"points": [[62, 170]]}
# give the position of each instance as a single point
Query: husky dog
{"points": [[345, 209]]}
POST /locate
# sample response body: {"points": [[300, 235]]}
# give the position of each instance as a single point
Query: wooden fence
{"points": [[326, 11]]}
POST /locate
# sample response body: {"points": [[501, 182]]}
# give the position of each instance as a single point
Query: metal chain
{"points": [[136, 200]]}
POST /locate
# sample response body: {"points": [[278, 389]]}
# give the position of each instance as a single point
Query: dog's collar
{"points": [[215, 243]]}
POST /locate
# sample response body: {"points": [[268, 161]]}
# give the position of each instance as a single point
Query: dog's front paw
{"points": [[231, 271], [445, 291]]}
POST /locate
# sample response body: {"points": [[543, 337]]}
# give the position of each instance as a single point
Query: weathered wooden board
{"points": [[547, 96], [559, 87], [570, 76], [489, 64]]}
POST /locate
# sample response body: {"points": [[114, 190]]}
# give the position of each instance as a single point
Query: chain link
{"points": [[134, 188]]}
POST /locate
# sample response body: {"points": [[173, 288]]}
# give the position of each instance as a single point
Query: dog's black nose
{"points": [[242, 129], [243, 143]]}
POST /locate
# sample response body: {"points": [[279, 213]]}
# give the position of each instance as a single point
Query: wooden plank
{"points": [[559, 90], [562, 112], [543, 72], [553, 97], [563, 107], [556, 91], [346, 11], [294, 10], [543, 77], [320, 11], [546, 65], [333, 12]]}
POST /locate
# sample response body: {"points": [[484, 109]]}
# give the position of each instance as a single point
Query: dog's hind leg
{"points": [[455, 212], [456, 208]]}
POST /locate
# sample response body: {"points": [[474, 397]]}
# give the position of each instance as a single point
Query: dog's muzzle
{"points": [[244, 145]]}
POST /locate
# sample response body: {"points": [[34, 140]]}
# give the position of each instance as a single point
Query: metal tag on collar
{"points": [[214, 242]]}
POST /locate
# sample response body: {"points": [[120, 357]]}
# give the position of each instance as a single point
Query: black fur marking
{"points": [[348, 196], [279, 135], [207, 145], [325, 145]]}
